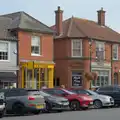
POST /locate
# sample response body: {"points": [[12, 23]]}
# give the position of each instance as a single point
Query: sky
{"points": [[43, 10]]}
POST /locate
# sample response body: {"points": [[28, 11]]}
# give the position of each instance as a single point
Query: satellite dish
{"points": [[15, 51]]}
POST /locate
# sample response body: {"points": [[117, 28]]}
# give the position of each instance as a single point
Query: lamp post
{"points": [[90, 50]]}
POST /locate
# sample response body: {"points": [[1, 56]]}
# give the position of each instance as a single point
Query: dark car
{"points": [[76, 102], [113, 91], [55, 103]]}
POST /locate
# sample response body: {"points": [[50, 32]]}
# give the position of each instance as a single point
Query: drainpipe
{"points": [[111, 62], [17, 82]]}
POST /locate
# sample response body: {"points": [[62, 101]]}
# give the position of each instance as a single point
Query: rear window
{"points": [[33, 92]]}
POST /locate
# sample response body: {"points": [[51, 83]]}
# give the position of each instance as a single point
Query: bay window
{"points": [[100, 50], [103, 78], [115, 52]]}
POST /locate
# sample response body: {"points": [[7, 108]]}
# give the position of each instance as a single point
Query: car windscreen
{"points": [[92, 92], [44, 94], [69, 92]]}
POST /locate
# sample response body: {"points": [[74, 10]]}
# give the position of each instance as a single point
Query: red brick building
{"points": [[82, 45], [34, 50]]}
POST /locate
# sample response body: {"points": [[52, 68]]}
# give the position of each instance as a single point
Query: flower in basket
{"points": [[95, 75], [88, 76]]}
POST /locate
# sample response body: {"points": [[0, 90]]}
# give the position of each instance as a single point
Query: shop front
{"points": [[36, 74]]}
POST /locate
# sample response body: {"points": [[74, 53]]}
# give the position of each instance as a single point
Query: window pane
{"points": [[77, 47], [3, 47], [35, 41]]}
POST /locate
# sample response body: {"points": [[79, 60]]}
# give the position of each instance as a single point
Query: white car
{"points": [[99, 100]]}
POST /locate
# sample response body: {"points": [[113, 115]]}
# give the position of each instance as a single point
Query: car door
{"points": [[116, 94], [106, 91], [10, 98]]}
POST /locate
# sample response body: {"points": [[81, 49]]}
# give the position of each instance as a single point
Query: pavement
{"points": [[94, 114]]}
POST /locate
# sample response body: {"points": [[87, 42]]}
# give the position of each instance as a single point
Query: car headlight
{"points": [[105, 98]]}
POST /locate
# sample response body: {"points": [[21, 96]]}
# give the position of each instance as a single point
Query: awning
{"points": [[8, 77]]}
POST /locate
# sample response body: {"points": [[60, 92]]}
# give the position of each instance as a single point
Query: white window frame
{"points": [[8, 51], [109, 82], [33, 54], [103, 44], [72, 42], [115, 45]]}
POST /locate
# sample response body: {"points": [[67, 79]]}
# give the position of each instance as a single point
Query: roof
{"points": [[20, 20], [78, 28]]}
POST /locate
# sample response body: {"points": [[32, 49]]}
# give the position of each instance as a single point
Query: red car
{"points": [[76, 102]]}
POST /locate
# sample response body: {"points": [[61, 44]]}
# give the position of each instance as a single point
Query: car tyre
{"points": [[2, 113], [97, 104], [18, 109], [75, 105], [48, 107], [36, 112]]}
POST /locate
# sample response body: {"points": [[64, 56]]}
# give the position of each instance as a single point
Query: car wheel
{"points": [[36, 112], [2, 113], [59, 111], [75, 105], [18, 109], [48, 107], [97, 104]]}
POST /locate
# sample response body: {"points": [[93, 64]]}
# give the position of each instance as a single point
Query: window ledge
{"points": [[115, 59], [36, 55], [4, 61], [76, 56]]}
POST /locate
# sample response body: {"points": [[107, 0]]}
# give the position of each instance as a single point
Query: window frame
{"points": [[103, 44], [115, 45], [99, 71], [72, 43], [8, 60], [34, 54]]}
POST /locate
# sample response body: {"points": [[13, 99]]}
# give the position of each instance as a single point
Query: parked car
{"points": [[99, 101], [19, 101], [2, 104], [76, 102], [55, 103], [113, 91]]}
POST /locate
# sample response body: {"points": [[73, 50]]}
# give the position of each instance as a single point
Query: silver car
{"points": [[19, 101], [99, 100]]}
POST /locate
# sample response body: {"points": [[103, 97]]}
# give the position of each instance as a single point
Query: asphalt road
{"points": [[101, 114]]}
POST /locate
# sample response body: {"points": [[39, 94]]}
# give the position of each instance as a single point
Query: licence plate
{"points": [[91, 103], [66, 103], [39, 106]]}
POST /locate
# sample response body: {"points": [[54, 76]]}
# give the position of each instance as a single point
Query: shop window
{"points": [[76, 79], [103, 79]]}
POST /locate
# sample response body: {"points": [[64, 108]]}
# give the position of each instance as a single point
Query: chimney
{"points": [[101, 17], [58, 21]]}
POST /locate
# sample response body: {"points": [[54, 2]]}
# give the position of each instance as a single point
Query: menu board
{"points": [[76, 79]]}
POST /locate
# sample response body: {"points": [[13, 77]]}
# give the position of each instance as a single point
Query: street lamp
{"points": [[90, 50]]}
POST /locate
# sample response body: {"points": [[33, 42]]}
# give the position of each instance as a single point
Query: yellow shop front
{"points": [[36, 74]]}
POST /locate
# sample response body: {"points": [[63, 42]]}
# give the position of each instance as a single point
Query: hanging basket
{"points": [[88, 76], [91, 76]]}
